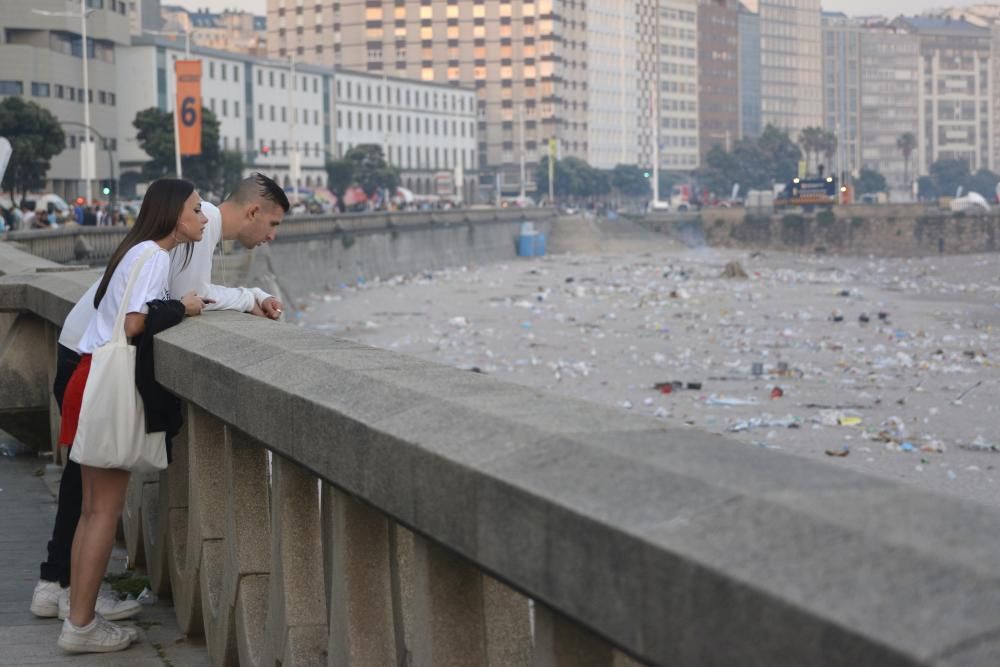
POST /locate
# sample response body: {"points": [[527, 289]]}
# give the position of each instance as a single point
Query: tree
{"points": [[829, 145], [926, 188], [949, 175], [371, 171], [984, 182], [869, 180], [811, 141], [339, 177], [780, 154], [35, 137], [629, 181], [232, 171], [906, 143], [156, 138]]}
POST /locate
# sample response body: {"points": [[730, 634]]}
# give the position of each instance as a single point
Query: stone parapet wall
{"points": [[887, 231], [94, 245], [409, 511]]}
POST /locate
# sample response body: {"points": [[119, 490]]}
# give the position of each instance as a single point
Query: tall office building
{"points": [[612, 54], [890, 101], [41, 60], [517, 54], [791, 64], [718, 74], [678, 63], [648, 76], [749, 72], [842, 76]]}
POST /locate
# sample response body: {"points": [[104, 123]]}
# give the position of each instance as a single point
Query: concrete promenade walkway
{"points": [[27, 509]]}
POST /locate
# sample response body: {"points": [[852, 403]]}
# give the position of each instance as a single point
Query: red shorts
{"points": [[72, 400]]}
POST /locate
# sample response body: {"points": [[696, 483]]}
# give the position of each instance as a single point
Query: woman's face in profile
{"points": [[191, 223]]}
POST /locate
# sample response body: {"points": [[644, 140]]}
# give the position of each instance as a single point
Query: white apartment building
{"points": [[678, 46], [791, 65], [267, 112], [956, 92], [612, 51]]}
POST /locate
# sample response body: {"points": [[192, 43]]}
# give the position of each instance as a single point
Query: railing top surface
{"points": [[377, 218], [680, 546]]}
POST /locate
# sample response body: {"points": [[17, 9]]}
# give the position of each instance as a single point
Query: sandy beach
{"points": [[889, 366]]}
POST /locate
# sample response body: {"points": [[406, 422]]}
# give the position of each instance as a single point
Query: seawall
{"points": [[887, 231]]}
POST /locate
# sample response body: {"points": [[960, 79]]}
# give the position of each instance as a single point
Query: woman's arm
{"points": [[135, 324]]}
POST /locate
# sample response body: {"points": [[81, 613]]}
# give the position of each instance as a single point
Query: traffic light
{"points": [[645, 174], [107, 187]]}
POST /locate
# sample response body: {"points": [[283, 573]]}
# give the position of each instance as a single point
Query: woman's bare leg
{"points": [[103, 499]]}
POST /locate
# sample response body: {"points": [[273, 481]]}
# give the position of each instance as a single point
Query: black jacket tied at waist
{"points": [[163, 409]]}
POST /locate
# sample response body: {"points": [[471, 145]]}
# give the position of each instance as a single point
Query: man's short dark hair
{"points": [[259, 185]]}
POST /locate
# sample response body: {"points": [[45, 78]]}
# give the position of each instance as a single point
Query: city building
{"points": [[982, 15], [842, 99], [647, 76], [890, 101], [956, 91], [995, 40], [791, 65], [41, 60], [612, 53], [522, 54], [144, 15], [678, 44], [236, 31], [749, 72], [427, 130], [718, 74]]}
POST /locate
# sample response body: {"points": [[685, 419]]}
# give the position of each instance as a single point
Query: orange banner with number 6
{"points": [[189, 104]]}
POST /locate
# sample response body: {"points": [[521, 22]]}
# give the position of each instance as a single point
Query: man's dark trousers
{"points": [[56, 568]]}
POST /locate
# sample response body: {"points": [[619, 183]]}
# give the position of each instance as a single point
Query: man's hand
{"points": [[271, 308]]}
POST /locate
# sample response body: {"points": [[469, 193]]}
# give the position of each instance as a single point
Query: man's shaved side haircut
{"points": [[259, 185]]}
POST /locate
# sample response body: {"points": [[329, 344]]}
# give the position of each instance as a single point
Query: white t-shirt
{"points": [[150, 284], [197, 276]]}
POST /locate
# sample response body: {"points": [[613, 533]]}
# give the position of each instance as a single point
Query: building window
{"points": [[225, 107], [40, 89], [11, 88], [236, 77], [236, 109], [59, 91], [211, 70]]}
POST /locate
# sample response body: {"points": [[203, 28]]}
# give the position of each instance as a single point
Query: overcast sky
{"points": [[885, 7]]}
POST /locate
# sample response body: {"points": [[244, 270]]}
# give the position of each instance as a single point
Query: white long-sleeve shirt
{"points": [[197, 276]]}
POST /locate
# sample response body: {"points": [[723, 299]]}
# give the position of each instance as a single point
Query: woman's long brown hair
{"points": [[158, 215]]}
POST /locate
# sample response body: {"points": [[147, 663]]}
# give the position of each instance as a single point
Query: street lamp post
{"points": [[88, 161], [177, 126]]}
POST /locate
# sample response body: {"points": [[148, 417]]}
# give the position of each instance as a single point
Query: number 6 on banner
{"points": [[189, 106], [189, 113]]}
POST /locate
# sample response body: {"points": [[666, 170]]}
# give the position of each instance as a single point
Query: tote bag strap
{"points": [[118, 335]]}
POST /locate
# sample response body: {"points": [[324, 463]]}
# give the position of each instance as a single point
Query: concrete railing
{"points": [[94, 245], [334, 503]]}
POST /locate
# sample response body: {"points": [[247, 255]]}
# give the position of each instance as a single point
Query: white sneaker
{"points": [[45, 599], [100, 636], [108, 606]]}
